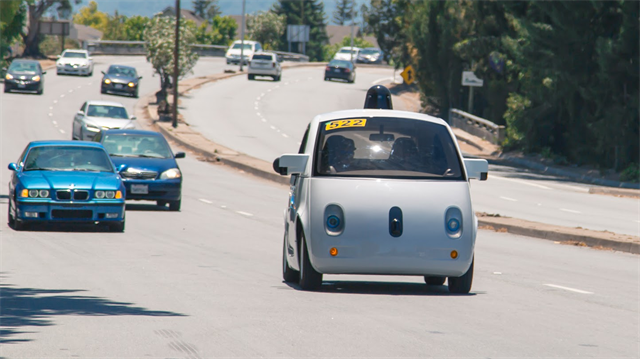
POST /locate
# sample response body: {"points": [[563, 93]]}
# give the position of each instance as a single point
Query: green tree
{"points": [[345, 12], [90, 16], [12, 16], [206, 9], [266, 28], [388, 21], [36, 9], [134, 27], [160, 43], [115, 28], [330, 50], [220, 31], [305, 12]]}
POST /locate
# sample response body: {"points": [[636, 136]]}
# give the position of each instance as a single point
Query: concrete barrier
{"points": [[477, 126]]}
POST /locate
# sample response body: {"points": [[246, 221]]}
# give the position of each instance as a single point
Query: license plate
{"points": [[139, 189], [21, 86], [336, 70], [118, 86]]}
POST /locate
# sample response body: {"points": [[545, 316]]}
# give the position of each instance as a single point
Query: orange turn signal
{"points": [[333, 251], [118, 194], [454, 254], [25, 193]]}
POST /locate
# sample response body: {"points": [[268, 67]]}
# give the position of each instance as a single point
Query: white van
{"points": [[234, 51], [345, 53]]}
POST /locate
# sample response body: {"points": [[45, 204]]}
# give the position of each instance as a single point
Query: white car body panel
{"points": [[365, 246], [347, 56], [265, 67], [81, 121], [233, 55]]}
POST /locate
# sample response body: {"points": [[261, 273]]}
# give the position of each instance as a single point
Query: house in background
{"points": [[83, 34]]}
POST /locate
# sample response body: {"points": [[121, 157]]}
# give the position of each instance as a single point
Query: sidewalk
{"points": [[184, 136]]}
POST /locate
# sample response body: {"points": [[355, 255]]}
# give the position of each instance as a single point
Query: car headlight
{"points": [[107, 81], [92, 128], [36, 78], [171, 174], [35, 193], [131, 84], [9, 77], [108, 194]]}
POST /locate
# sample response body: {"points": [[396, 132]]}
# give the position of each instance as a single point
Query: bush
{"points": [[631, 174]]}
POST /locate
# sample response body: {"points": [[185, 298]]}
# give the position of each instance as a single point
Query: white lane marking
{"points": [[299, 143], [285, 135], [497, 273], [50, 107], [286, 83], [55, 101], [569, 289], [278, 131], [509, 199], [62, 131], [570, 210], [264, 120], [244, 213], [54, 122], [521, 181], [256, 103], [269, 90], [204, 200], [261, 95], [273, 127], [62, 95], [257, 113], [70, 91], [309, 78], [119, 63], [382, 80], [50, 114], [79, 86]]}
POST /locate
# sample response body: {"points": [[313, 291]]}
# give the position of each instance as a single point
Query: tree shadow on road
{"points": [[31, 307], [383, 288]]}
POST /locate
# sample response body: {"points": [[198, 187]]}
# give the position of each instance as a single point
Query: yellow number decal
{"points": [[360, 122]]}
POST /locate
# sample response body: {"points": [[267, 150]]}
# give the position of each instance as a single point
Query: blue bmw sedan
{"points": [[65, 182], [147, 165]]}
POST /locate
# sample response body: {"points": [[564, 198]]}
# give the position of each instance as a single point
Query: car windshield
{"points": [[107, 111], [67, 158], [262, 57], [386, 147], [81, 55], [23, 67], [369, 52], [122, 71], [136, 146], [346, 51], [238, 46], [340, 63]]}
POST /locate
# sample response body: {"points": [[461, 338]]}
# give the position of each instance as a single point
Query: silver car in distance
{"points": [[383, 192]]}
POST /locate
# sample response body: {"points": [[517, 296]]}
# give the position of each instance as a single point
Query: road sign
{"points": [[409, 75], [470, 79]]}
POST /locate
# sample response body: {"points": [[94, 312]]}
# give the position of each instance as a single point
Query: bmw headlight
{"points": [[108, 194], [171, 174], [35, 193]]}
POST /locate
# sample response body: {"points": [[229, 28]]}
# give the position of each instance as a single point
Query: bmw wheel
{"points": [[462, 285], [117, 227], [310, 279]]}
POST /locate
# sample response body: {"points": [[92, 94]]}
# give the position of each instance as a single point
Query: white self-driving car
{"points": [[74, 62], [379, 191]]}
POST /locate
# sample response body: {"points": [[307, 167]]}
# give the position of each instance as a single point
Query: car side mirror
{"points": [[180, 155], [140, 78], [12, 166], [121, 168], [81, 113], [290, 164], [133, 118], [103, 72], [477, 168]]}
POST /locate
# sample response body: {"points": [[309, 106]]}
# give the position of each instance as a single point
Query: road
{"points": [[205, 282], [265, 119]]}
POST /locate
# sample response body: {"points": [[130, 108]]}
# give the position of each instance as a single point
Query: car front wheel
{"points": [[117, 227], [174, 205], [288, 274], [310, 279], [462, 285]]}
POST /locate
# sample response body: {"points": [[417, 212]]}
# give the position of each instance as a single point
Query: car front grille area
{"points": [[148, 175], [72, 214], [77, 195]]}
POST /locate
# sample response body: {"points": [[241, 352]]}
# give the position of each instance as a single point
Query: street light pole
{"points": [[353, 20], [242, 38], [176, 52]]}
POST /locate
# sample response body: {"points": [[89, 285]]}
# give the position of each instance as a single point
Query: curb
{"points": [[262, 169]]}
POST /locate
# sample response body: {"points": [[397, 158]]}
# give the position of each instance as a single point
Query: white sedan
{"points": [[74, 62], [95, 116], [379, 191]]}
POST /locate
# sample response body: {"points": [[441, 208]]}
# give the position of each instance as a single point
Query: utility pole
{"points": [[176, 57], [242, 38], [353, 20]]}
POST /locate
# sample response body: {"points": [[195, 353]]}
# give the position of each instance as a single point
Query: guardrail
{"points": [[477, 126], [113, 47]]}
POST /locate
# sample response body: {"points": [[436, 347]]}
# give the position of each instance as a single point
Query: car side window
{"points": [[84, 107], [303, 144]]}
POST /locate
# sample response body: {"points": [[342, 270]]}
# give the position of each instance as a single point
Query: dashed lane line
{"points": [[569, 289], [521, 182], [569, 210], [205, 201], [244, 213], [509, 199]]}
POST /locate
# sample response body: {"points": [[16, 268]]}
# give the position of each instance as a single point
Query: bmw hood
{"points": [[145, 164], [105, 122], [65, 180]]}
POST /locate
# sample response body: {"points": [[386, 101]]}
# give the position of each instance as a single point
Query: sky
{"points": [[228, 7]]}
